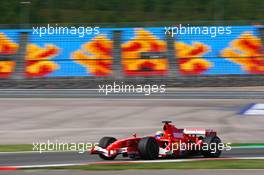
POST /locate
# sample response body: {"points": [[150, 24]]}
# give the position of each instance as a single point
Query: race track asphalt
{"points": [[26, 159], [137, 172], [86, 120], [89, 117]]}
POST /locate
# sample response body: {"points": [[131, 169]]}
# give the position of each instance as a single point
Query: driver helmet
{"points": [[159, 134]]}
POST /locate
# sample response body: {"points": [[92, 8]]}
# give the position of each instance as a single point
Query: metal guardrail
{"points": [[95, 93]]}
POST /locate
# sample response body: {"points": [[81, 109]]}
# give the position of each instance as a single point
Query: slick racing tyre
{"points": [[148, 148], [212, 148], [104, 143]]}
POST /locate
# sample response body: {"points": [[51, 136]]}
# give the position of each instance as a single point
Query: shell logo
{"points": [[190, 58], [7, 47], [96, 56], [144, 41], [38, 62], [246, 51]]}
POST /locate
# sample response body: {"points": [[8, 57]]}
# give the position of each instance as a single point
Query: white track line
{"points": [[128, 162], [49, 165], [198, 159], [42, 152]]}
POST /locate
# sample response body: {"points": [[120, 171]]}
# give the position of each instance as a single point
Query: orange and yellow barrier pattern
{"points": [[143, 52], [7, 47], [246, 51]]}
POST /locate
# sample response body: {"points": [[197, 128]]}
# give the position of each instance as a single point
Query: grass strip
{"points": [[247, 144], [16, 148], [206, 164]]}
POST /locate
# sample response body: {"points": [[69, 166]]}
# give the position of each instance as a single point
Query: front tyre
{"points": [[148, 148], [104, 143]]}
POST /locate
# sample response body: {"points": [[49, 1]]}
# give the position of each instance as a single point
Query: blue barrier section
{"points": [[205, 50]]}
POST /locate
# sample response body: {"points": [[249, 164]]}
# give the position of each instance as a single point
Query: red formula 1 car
{"points": [[171, 142]]}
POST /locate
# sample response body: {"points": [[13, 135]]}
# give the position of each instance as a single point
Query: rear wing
{"points": [[199, 131]]}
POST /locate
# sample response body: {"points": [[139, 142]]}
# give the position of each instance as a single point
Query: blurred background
{"points": [[108, 11], [128, 40]]}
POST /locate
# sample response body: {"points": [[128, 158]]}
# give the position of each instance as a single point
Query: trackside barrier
{"points": [[131, 52]]}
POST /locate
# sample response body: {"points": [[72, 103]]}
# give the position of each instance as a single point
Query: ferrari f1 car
{"points": [[171, 142]]}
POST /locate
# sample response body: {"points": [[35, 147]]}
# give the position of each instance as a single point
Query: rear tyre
{"points": [[148, 148], [104, 143], [212, 143]]}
